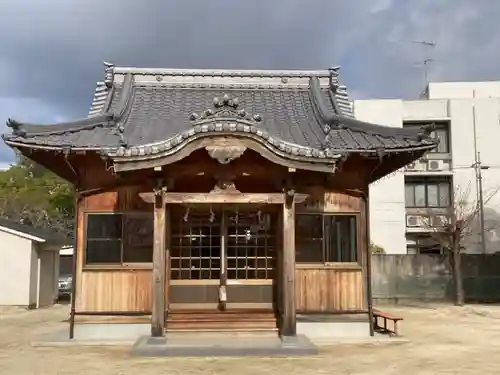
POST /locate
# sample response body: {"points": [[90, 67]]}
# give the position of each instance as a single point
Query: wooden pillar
{"points": [[158, 313], [289, 324], [77, 262], [367, 264], [279, 267], [168, 244]]}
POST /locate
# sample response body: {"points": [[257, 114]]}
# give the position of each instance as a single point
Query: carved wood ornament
{"points": [[225, 184], [225, 150], [225, 187]]}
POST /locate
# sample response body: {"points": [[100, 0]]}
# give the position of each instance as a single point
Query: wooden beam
{"points": [[158, 311], [289, 325], [148, 197], [210, 169], [272, 198], [300, 198], [179, 198], [260, 198]]}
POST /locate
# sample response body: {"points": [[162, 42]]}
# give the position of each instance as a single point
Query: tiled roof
{"points": [[24, 229], [147, 111]]}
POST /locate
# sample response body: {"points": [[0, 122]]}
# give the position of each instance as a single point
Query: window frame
{"points": [[324, 248], [439, 126], [121, 265], [426, 183]]}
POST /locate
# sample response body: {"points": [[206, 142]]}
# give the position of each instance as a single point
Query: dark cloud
{"points": [[53, 50], [57, 54]]}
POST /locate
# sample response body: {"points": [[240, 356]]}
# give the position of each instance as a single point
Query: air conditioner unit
{"points": [[411, 166], [439, 220], [435, 165], [414, 167], [413, 221], [425, 221]]}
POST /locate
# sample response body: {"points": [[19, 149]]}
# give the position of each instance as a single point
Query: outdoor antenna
{"points": [[425, 63]]}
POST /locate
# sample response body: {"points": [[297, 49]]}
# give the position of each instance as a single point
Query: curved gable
{"points": [[153, 113]]}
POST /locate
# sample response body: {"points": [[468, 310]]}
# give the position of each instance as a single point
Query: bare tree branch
{"points": [[463, 218]]}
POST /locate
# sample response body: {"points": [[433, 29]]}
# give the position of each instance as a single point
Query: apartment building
{"points": [[409, 207]]}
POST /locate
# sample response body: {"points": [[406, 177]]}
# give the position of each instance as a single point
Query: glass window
{"points": [[432, 196], [138, 238], [411, 249], [419, 195], [309, 226], [104, 226], [103, 251], [409, 195], [442, 136], [427, 194], [323, 238], [341, 236], [309, 238], [444, 195], [441, 133], [119, 238], [103, 238]]}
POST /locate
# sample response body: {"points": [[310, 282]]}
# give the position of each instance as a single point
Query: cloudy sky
{"points": [[51, 51]]}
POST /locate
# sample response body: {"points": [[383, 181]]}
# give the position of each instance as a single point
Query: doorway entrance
{"points": [[222, 257]]}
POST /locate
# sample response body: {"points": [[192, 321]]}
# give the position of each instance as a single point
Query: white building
{"points": [[29, 266], [467, 119]]}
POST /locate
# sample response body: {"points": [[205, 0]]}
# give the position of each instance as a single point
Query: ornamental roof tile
{"points": [[146, 111]]}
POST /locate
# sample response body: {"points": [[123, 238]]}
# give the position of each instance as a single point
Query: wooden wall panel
{"points": [[103, 201], [93, 171], [121, 199], [340, 288], [115, 290], [111, 289], [80, 245], [330, 201], [329, 289]]}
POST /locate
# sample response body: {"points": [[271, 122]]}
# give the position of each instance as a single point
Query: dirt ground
{"points": [[444, 340]]}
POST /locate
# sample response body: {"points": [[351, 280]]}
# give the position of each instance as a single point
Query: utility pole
{"points": [[478, 167]]}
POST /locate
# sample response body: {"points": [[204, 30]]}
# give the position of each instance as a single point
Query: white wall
{"points": [[47, 274], [454, 101], [475, 103], [15, 265], [34, 276], [463, 90], [487, 120], [387, 198]]}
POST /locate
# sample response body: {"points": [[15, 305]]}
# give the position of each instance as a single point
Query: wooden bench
{"points": [[385, 317]]}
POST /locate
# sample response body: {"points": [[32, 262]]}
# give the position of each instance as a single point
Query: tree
{"points": [[375, 249], [31, 194], [461, 229]]}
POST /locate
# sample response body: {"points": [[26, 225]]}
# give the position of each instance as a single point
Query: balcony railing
{"points": [[427, 220], [428, 164]]}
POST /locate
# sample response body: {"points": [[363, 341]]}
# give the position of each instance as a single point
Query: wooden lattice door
{"points": [[220, 246], [249, 257]]}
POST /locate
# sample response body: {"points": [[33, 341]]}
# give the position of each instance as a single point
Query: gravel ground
{"points": [[443, 340]]}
